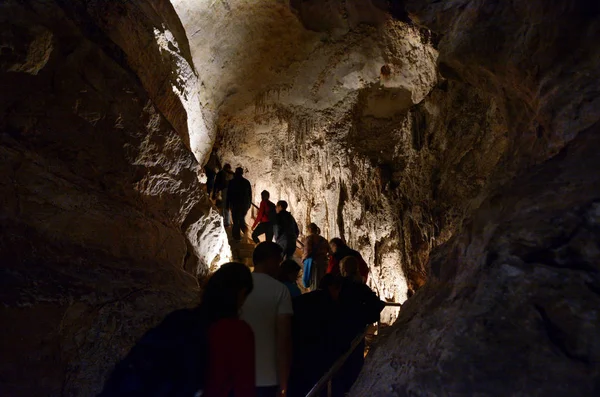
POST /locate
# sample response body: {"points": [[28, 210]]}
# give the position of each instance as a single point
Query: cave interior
{"points": [[451, 143]]}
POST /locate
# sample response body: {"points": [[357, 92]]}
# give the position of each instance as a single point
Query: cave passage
{"points": [[453, 145]]}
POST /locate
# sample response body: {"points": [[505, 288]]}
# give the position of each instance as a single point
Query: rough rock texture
{"points": [[103, 223], [338, 108], [354, 118], [296, 89], [511, 306], [469, 146]]}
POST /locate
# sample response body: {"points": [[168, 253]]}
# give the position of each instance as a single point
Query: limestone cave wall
{"points": [[104, 225], [510, 305], [452, 143], [447, 143], [340, 109]]}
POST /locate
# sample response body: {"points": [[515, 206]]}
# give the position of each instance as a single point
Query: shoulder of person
{"points": [[243, 327], [283, 290]]}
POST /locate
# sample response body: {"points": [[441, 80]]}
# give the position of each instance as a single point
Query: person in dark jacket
{"points": [[239, 200], [263, 223], [315, 328], [286, 230], [210, 170], [359, 307], [339, 251], [220, 188], [222, 180]]}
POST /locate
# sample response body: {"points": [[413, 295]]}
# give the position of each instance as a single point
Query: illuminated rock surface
{"points": [[459, 160], [104, 224]]}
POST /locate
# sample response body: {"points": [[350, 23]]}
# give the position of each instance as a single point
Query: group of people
{"points": [[233, 192], [251, 336], [274, 221]]}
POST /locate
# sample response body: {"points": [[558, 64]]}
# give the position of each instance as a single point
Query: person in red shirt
{"points": [[339, 251], [231, 355], [263, 224]]}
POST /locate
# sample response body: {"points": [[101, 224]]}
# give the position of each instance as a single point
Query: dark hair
{"points": [[265, 195], [265, 251], [314, 228], [239, 171], [349, 268], [227, 166], [221, 292], [337, 242], [329, 280], [283, 204], [289, 266]]}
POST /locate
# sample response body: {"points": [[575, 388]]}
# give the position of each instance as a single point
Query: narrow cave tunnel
{"points": [[454, 144]]}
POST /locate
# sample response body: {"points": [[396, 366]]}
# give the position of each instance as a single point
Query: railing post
{"points": [[329, 388]]}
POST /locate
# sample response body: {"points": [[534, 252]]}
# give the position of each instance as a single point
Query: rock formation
{"points": [[451, 142], [510, 307], [104, 224], [397, 134]]}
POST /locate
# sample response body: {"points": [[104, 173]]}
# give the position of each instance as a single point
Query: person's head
{"points": [[349, 268], [336, 244], [332, 285], [267, 257], [313, 229], [239, 172], [227, 167], [281, 206], [288, 271], [226, 290], [265, 195]]}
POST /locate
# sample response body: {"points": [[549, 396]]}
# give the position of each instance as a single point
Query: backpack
{"points": [[271, 213], [165, 362]]}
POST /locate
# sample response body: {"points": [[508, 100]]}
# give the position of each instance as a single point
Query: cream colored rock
{"points": [[283, 96]]}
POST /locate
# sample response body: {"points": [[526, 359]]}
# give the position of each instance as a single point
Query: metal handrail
{"points": [[327, 378]]}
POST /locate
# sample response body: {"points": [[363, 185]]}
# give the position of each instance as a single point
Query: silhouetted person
{"points": [[207, 349], [239, 200], [231, 355], [315, 257], [349, 269], [339, 251], [221, 183], [315, 328], [288, 275], [286, 230], [264, 219], [359, 307], [268, 310], [210, 169]]}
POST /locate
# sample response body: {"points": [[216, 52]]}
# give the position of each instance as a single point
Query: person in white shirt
{"points": [[268, 310]]}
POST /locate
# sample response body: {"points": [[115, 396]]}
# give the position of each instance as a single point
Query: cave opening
{"points": [[451, 144]]}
